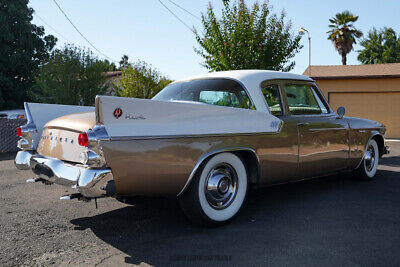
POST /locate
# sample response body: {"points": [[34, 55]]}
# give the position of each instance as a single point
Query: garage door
{"points": [[378, 106]]}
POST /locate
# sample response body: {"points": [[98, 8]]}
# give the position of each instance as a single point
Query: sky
{"points": [[145, 30]]}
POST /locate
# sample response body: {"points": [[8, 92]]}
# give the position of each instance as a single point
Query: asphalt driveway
{"points": [[329, 221]]}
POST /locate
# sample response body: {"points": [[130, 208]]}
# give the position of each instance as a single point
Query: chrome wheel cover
{"points": [[221, 186], [369, 158]]}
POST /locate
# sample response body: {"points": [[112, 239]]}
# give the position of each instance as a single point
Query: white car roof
{"points": [[241, 75], [251, 79]]}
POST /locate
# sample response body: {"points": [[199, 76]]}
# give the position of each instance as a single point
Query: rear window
{"points": [[218, 92]]}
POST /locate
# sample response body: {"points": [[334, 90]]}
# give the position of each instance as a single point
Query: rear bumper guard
{"points": [[386, 150], [90, 182]]}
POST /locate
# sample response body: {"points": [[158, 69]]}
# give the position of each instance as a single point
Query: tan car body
{"points": [[304, 147]]}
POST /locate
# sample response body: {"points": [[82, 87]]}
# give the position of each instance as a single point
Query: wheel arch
{"points": [[247, 155], [380, 140]]}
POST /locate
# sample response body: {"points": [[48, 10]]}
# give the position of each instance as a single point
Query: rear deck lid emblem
{"points": [[117, 113]]}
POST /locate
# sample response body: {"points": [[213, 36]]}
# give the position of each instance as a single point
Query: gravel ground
{"points": [[328, 221]]}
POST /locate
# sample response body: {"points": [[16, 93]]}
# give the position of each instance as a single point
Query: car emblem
{"points": [[117, 113]]}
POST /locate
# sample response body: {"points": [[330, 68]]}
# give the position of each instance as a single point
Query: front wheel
{"points": [[369, 164], [217, 192]]}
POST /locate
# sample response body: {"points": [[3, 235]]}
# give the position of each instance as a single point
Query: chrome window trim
{"points": [[331, 112], [319, 101], [280, 96], [212, 153], [323, 98], [279, 82]]}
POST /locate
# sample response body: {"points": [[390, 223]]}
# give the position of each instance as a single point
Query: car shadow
{"points": [[277, 225], [393, 161], [7, 156]]}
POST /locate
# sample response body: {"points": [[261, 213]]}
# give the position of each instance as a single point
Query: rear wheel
{"points": [[217, 192], [369, 164]]}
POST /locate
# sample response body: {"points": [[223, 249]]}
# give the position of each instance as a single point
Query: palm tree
{"points": [[343, 34]]}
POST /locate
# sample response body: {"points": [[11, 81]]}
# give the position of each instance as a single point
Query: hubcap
{"points": [[221, 186], [369, 158]]}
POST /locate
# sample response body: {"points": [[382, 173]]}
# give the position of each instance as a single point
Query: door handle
{"points": [[303, 123]]}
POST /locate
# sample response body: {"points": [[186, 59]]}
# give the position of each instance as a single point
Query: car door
{"points": [[279, 155], [323, 136]]}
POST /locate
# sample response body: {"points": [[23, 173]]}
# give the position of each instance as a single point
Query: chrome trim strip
{"points": [[124, 138], [326, 129], [205, 156], [100, 132], [315, 115], [97, 110], [28, 113], [94, 150]]}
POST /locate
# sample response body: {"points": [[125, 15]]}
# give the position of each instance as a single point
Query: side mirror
{"points": [[341, 111]]}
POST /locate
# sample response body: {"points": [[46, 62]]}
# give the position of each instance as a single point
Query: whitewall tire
{"points": [[217, 191], [369, 165]]}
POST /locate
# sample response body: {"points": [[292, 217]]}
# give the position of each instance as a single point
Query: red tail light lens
{"points": [[83, 139], [19, 131]]}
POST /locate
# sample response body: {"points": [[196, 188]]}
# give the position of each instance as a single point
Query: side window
{"points": [[273, 99], [303, 100], [219, 98], [320, 102]]}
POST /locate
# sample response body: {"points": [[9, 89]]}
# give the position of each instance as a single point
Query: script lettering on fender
{"points": [[134, 117]]}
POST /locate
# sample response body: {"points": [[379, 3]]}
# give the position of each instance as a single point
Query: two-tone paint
{"points": [[155, 148]]}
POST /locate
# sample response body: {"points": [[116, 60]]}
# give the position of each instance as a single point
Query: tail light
{"points": [[26, 131], [19, 132], [83, 139]]}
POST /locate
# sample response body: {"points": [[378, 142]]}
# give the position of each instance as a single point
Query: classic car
{"points": [[204, 140]]}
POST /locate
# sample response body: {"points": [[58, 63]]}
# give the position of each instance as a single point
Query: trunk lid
{"points": [[59, 138]]}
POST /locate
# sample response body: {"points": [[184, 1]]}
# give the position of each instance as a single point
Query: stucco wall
{"points": [[375, 99]]}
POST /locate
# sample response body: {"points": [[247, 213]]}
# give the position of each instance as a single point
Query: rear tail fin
{"points": [[132, 117], [38, 115]]}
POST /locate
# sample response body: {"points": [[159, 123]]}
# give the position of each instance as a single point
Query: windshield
{"points": [[219, 92]]}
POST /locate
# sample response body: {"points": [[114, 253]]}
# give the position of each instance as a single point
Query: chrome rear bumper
{"points": [[386, 150], [89, 182]]}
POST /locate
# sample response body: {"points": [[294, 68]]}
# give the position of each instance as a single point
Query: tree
{"points": [[124, 62], [23, 48], [245, 38], [72, 76], [140, 80], [107, 65], [343, 34], [381, 46]]}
